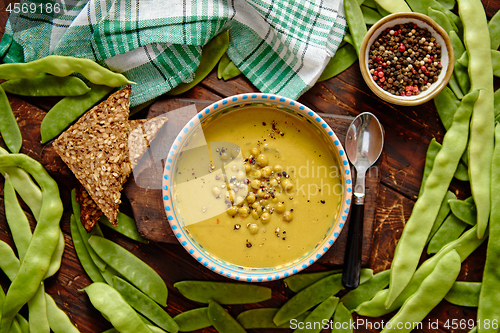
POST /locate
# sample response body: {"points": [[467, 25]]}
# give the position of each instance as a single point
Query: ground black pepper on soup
{"points": [[258, 187]]}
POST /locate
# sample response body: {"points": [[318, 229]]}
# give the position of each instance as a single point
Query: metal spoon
{"points": [[363, 145]]}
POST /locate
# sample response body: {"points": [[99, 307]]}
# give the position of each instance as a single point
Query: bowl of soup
{"points": [[257, 187]]}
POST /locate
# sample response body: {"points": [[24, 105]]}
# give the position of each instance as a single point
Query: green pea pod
{"points": [[489, 298], [370, 3], [481, 140], [223, 62], [145, 305], [421, 6], [394, 6], [455, 87], [465, 245], [370, 15], [474, 330], [348, 39], [418, 227], [355, 22], [231, 71], [9, 263], [38, 322], [210, 56], [63, 66], [43, 242], [308, 297], [441, 19], [460, 71], [381, 10], [432, 151], [9, 129], [58, 320], [299, 281], [464, 59], [152, 328], [432, 291], [342, 60], [126, 226], [263, 318], [83, 255], [221, 320], [342, 319], [21, 230], [46, 85], [192, 320], [494, 30], [462, 173], [465, 210], [132, 268], [109, 274], [446, 105], [16, 219], [497, 103], [223, 292], [2, 297], [68, 110], [56, 259], [495, 61], [444, 210], [464, 294], [448, 4], [86, 235], [321, 314], [450, 230], [23, 324], [366, 291], [115, 309], [15, 328], [25, 186]]}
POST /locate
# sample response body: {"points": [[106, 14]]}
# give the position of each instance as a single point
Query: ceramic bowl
{"points": [[230, 270], [423, 21]]}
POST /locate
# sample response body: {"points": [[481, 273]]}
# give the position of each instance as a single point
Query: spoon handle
{"points": [[352, 258]]}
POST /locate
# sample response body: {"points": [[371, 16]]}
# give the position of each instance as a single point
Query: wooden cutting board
{"points": [[143, 190]]}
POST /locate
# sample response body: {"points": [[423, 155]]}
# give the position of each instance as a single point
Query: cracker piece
{"points": [[142, 133], [89, 211], [95, 150]]}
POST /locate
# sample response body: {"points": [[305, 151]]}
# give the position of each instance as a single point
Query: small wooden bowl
{"points": [[423, 21]]}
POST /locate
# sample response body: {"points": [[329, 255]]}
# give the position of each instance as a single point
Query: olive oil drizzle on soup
{"points": [[264, 192]]}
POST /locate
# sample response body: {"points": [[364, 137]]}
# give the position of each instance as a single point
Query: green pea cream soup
{"points": [[258, 186]]}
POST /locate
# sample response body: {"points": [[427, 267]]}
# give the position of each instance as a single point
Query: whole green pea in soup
{"points": [[258, 186]]}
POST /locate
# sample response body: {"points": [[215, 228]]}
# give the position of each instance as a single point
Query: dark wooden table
{"points": [[408, 132]]}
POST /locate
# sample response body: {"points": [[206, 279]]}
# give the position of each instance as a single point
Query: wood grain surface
{"points": [[408, 131]]}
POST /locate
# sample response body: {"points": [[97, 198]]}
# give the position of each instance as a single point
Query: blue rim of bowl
{"points": [[230, 270]]}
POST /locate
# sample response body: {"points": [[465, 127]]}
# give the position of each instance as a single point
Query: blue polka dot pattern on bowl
{"points": [[226, 269]]}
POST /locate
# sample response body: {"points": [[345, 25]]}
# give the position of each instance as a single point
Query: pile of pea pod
{"points": [[447, 228], [39, 252]]}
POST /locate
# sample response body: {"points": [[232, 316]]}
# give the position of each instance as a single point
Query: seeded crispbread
{"points": [[142, 133], [89, 211], [95, 149]]}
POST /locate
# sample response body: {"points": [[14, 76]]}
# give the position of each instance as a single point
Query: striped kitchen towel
{"points": [[281, 46]]}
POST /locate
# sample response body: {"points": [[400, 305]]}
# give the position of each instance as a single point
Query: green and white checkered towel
{"points": [[281, 46]]}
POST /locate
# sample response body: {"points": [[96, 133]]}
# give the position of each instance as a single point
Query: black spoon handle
{"points": [[352, 258]]}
